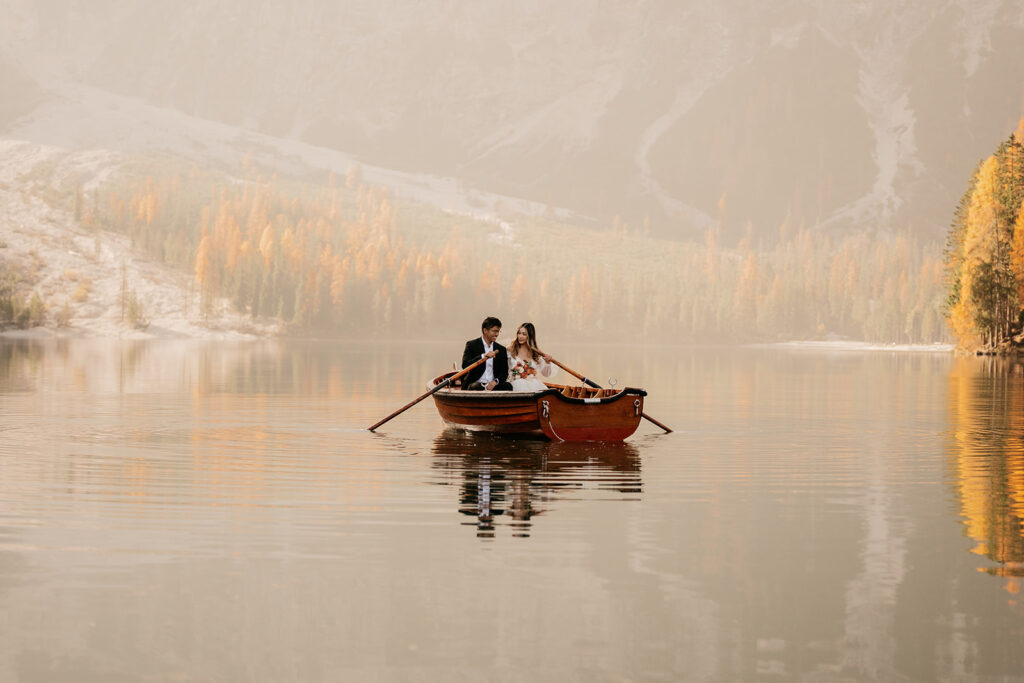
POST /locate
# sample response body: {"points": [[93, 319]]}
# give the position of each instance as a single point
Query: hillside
{"points": [[737, 114], [84, 277], [336, 256]]}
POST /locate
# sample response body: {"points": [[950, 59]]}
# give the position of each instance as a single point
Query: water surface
{"points": [[218, 512]]}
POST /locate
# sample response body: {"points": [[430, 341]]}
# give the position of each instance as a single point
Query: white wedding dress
{"points": [[534, 381]]}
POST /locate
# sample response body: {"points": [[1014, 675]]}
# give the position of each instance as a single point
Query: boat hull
{"points": [[501, 412], [612, 418], [558, 413]]}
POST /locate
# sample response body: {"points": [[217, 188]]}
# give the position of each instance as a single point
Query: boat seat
{"points": [[587, 392]]}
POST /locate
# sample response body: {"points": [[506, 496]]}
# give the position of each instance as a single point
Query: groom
{"points": [[492, 375]]}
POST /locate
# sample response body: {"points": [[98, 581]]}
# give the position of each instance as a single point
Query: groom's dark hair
{"points": [[489, 322]]}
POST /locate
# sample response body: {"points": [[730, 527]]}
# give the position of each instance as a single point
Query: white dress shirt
{"points": [[488, 375]]}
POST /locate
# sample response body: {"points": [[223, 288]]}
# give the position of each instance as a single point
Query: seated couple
{"points": [[519, 368]]}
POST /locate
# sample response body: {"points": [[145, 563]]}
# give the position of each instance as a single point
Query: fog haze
{"points": [[741, 114]]}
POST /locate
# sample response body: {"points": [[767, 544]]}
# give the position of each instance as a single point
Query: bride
{"points": [[527, 363]]}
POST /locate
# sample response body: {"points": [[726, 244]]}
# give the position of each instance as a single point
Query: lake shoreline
{"points": [[46, 333]]}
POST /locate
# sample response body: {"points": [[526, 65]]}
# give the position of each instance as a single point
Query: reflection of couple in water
{"points": [[517, 479], [518, 368]]}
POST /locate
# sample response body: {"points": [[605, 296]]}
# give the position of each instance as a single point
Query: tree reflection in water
{"points": [[516, 478], [987, 411]]}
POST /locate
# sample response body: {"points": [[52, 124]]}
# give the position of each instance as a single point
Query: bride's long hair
{"points": [[531, 342]]}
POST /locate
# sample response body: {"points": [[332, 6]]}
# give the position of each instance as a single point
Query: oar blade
{"points": [[438, 387]]}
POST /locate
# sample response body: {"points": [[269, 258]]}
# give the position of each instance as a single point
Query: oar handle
{"points": [[438, 387]]}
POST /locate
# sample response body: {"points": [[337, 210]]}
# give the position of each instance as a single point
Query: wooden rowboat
{"points": [[560, 413]]}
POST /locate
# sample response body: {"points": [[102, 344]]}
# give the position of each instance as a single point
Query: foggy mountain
{"points": [[844, 115]]}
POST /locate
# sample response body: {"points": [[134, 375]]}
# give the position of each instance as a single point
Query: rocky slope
{"points": [[79, 273]]}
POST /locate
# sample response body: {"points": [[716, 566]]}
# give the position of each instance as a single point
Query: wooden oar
{"points": [[598, 386], [440, 385]]}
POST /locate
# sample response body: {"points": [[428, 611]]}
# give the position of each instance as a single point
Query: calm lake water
{"points": [[218, 512]]}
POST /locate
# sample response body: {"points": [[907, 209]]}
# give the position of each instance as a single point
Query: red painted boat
{"points": [[560, 413]]}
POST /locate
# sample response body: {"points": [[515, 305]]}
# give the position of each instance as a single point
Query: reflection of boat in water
{"points": [[517, 479], [560, 413]]}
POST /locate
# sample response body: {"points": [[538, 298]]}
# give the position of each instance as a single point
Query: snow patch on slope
{"points": [[979, 16], [81, 270], [883, 95]]}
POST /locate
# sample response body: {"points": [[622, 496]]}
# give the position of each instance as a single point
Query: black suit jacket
{"points": [[475, 349]]}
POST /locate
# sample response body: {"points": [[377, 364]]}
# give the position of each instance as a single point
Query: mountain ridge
{"points": [[592, 107]]}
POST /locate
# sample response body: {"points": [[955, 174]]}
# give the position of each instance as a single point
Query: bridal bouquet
{"points": [[523, 370]]}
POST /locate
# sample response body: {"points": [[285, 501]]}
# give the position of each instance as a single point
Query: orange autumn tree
{"points": [[345, 258], [985, 253]]}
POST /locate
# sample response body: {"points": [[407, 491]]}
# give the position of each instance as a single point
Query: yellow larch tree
{"points": [[979, 247], [205, 275], [266, 247]]}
